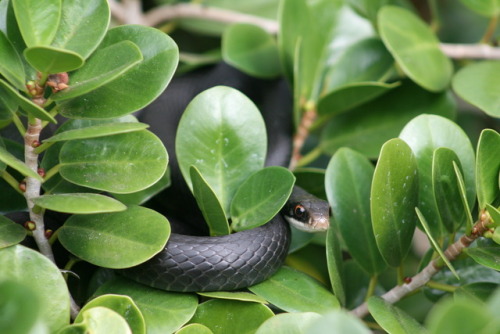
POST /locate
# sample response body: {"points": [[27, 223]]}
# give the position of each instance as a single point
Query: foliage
{"points": [[392, 150]]}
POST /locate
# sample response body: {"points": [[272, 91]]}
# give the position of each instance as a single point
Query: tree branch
{"points": [[420, 279], [470, 51]]}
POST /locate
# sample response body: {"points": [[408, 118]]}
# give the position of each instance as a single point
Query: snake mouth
{"points": [[319, 224]]}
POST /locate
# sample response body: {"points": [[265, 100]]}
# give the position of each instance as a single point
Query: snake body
{"points": [[235, 261]]}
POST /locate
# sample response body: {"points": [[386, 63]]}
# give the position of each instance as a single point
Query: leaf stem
{"points": [[371, 287], [11, 181], [441, 286], [435, 20], [490, 30], [51, 172], [19, 125], [309, 157], [400, 276]]}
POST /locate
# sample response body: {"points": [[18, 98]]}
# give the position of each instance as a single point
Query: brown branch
{"points": [[308, 118], [420, 279], [470, 51]]}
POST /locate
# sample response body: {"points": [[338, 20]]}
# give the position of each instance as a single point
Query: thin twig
{"points": [[117, 11], [420, 279], [470, 51], [308, 118]]}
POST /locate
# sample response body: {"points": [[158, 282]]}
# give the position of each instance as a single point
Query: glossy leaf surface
{"points": [[11, 66], [20, 308], [116, 240], [335, 264], [38, 21], [223, 135], [394, 196], [79, 203], [393, 319], [52, 60], [235, 295], [99, 130], [10, 232], [338, 322], [415, 47], [260, 197], [194, 329], [487, 167], [99, 320], [487, 256], [348, 180], [288, 323], [10, 160]]}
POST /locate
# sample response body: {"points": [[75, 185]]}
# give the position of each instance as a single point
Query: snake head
{"points": [[306, 212]]}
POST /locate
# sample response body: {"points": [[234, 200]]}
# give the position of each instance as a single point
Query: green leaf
{"points": [[348, 182], [79, 203], [164, 312], [194, 329], [11, 66], [10, 160], [366, 128], [415, 48], [424, 134], [10, 232], [311, 179], [288, 323], [394, 196], [351, 95], [446, 189], [99, 320], [113, 163], [486, 256], [338, 322], [36, 271], [141, 197], [209, 204], [147, 79], [221, 133], [294, 291], [433, 242], [123, 305], [494, 214], [251, 49], [116, 240], [261, 197], [98, 71], [233, 316], [480, 291], [463, 198], [20, 310], [487, 167], [392, 319], [481, 93], [83, 26], [38, 21], [237, 295], [48, 59], [98, 130], [335, 264], [27, 105], [488, 8]]}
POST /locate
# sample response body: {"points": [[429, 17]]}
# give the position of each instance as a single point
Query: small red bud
{"points": [[48, 233], [62, 86], [22, 186], [35, 143], [29, 225], [41, 172], [407, 280]]}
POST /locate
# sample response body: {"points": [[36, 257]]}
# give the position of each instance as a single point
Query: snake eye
{"points": [[299, 211]]}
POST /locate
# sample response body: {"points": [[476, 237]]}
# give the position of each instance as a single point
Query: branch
{"points": [[420, 279], [470, 51], [127, 11], [300, 137]]}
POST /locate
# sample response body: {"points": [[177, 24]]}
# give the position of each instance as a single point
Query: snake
{"points": [[197, 263]]}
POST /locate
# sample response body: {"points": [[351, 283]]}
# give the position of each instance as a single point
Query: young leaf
{"points": [[79, 203], [260, 197], [10, 160], [392, 319], [446, 189], [11, 66], [394, 194], [48, 59], [481, 93], [37, 20], [415, 48], [98, 130], [83, 26], [209, 204], [487, 167], [116, 240], [435, 245], [335, 264], [99, 320], [463, 198], [221, 133], [10, 233], [348, 182], [494, 214]]}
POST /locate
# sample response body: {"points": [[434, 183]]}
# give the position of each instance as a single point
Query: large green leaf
{"points": [[10, 232], [19, 307], [294, 291], [424, 134], [335, 264], [338, 321], [234, 295], [446, 189], [38, 20], [415, 47], [393, 319], [36, 271], [141, 197], [260, 197], [48, 59], [369, 126], [118, 163], [487, 256], [223, 135], [288, 323], [98, 130], [99, 320], [116, 240], [164, 312], [481, 93], [83, 25], [348, 182], [146, 80], [10, 160], [251, 49], [209, 204], [11, 66], [233, 316], [79, 203], [488, 8], [394, 196], [487, 167], [98, 71], [123, 305]]}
